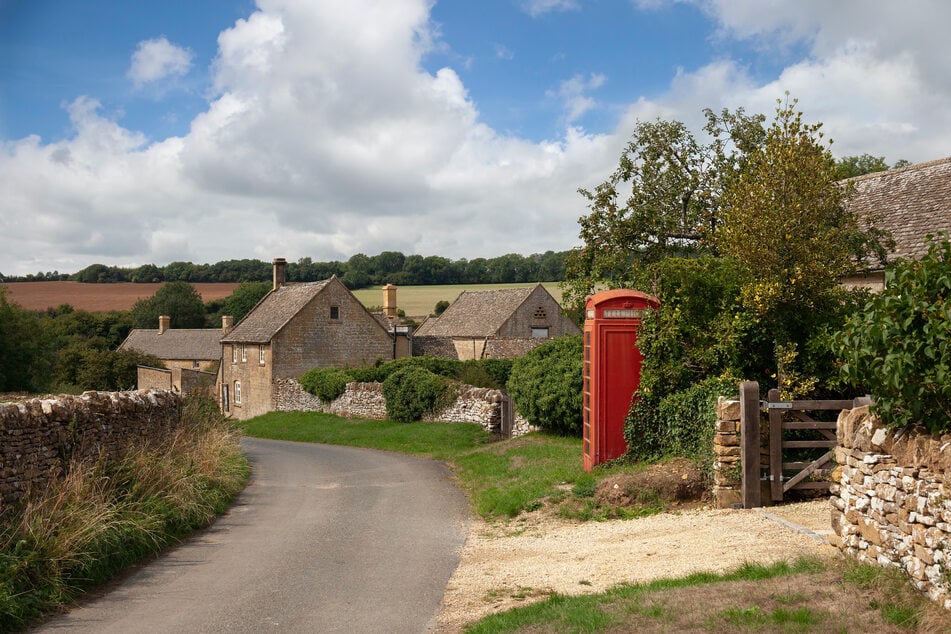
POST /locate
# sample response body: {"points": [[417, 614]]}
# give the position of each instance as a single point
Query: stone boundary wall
{"points": [[39, 436], [891, 500], [365, 400]]}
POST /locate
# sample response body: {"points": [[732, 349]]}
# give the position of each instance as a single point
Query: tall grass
{"points": [[97, 518]]}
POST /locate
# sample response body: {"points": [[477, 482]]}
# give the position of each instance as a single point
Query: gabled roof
{"points": [[273, 312], [180, 343], [912, 203], [477, 313]]}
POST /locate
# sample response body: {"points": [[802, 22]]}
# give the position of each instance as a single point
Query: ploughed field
{"points": [[416, 301], [97, 297]]}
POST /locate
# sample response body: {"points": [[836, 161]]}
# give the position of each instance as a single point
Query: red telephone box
{"points": [[612, 369]]}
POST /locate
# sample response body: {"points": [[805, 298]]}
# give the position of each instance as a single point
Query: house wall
{"points": [[189, 364], [313, 340], [520, 324], [255, 379]]}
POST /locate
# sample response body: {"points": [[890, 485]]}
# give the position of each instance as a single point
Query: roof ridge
{"points": [[898, 170]]}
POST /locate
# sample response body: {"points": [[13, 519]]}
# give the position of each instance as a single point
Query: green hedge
{"points": [[899, 346], [412, 391], [546, 385], [679, 424], [326, 383]]}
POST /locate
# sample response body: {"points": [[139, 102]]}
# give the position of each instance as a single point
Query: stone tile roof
{"points": [[199, 344], [477, 313], [273, 312], [912, 202]]}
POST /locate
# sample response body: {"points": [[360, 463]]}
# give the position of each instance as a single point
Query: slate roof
{"points": [[273, 312], [476, 313], [199, 344], [912, 202]]}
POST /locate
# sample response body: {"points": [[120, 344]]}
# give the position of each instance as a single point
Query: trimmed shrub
{"points": [[326, 383], [546, 385], [411, 391], [899, 346]]}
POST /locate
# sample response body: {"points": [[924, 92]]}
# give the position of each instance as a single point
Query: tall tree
{"points": [[786, 222], [663, 199], [178, 300]]}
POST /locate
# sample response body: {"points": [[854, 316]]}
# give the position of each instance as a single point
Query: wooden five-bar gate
{"points": [[784, 476]]}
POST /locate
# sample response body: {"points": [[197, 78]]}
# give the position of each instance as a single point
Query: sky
{"points": [[152, 132]]}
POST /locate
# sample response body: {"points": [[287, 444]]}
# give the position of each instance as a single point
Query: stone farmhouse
{"points": [[912, 202], [504, 323], [295, 328], [190, 355]]}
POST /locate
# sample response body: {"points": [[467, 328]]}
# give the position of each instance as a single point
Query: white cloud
{"points": [[573, 94], [536, 8], [156, 59], [325, 136]]}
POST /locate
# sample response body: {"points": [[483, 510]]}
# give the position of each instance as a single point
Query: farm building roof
{"points": [[912, 202], [199, 344], [273, 312], [477, 313]]}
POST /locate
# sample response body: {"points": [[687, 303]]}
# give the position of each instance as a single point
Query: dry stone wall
{"points": [[365, 400], [890, 499], [39, 436]]}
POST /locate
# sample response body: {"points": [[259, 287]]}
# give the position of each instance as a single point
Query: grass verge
{"points": [[502, 479], [806, 595], [99, 518]]}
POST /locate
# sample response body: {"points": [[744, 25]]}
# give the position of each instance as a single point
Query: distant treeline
{"points": [[360, 271]]}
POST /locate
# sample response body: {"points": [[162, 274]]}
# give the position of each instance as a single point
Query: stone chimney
{"points": [[227, 323], [280, 272], [164, 321], [389, 300]]}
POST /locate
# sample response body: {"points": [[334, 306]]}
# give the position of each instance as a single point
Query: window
{"points": [[237, 392], [196, 364], [234, 354], [540, 333], [335, 312], [261, 355], [244, 353]]}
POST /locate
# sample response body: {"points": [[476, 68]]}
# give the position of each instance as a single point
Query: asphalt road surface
{"points": [[324, 539]]}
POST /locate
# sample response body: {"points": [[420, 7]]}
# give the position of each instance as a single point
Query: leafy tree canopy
{"points": [[664, 199], [178, 300]]}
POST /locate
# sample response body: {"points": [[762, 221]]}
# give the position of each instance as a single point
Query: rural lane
{"points": [[324, 539]]}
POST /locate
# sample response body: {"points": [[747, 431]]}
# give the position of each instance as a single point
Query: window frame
{"points": [[237, 392]]}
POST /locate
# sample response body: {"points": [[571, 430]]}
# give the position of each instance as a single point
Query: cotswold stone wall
{"points": [[365, 400], [891, 500], [38, 437]]}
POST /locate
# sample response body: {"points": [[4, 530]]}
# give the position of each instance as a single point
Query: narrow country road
{"points": [[324, 539]]}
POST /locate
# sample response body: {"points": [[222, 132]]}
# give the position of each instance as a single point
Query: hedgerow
{"points": [[546, 384], [899, 346], [412, 391]]}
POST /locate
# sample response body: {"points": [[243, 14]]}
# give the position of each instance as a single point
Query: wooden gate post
{"points": [[750, 440], [775, 447]]}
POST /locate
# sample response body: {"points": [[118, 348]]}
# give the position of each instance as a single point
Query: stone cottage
{"points": [[911, 202], [294, 328], [190, 355], [503, 323]]}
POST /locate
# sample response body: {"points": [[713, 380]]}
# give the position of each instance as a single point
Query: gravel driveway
{"points": [[511, 563]]}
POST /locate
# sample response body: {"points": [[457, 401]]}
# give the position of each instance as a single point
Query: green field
{"points": [[419, 301]]}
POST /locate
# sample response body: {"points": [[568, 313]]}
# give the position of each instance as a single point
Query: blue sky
{"points": [[136, 132]]}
